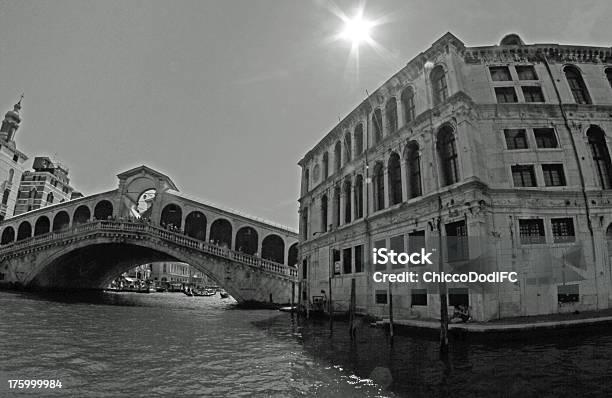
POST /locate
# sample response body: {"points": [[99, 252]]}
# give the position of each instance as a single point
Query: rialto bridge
{"points": [[87, 242]]}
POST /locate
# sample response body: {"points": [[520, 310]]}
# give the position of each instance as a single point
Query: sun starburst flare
{"points": [[357, 30]]}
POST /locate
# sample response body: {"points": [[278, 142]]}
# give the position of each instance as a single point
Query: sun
{"points": [[357, 29]]}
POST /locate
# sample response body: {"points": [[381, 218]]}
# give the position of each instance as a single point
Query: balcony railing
{"points": [[152, 230]]}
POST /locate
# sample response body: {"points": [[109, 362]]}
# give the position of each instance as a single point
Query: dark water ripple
{"points": [[171, 345]]}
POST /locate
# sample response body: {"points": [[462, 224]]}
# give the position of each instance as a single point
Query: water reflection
{"points": [[162, 344]]}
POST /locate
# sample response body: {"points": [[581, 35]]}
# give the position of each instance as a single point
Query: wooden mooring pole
{"points": [[352, 330], [390, 313], [292, 296], [331, 307]]}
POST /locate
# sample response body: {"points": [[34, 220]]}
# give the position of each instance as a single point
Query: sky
{"points": [[226, 96]]}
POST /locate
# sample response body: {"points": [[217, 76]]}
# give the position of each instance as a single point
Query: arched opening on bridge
{"points": [[61, 221], [8, 235], [195, 225], [246, 240], [103, 210], [145, 203], [273, 248], [81, 215], [42, 226], [221, 232], [292, 256], [171, 216], [24, 231]]}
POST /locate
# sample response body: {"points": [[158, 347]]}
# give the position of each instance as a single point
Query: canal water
{"points": [[171, 345]]}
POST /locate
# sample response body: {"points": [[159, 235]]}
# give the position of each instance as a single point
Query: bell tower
{"points": [[11, 121]]}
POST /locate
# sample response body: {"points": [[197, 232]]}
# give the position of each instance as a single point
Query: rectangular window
{"points": [[553, 175], [304, 269], [359, 258], [533, 94], [457, 247], [563, 230], [526, 72], [458, 296], [523, 176], [418, 297], [516, 138], [336, 261], [347, 260], [416, 241], [15, 158], [545, 138], [532, 231], [381, 297], [500, 73], [568, 293], [505, 95], [379, 244], [396, 244]]}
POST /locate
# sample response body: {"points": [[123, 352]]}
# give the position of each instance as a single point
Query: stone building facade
{"points": [[502, 150], [11, 161], [45, 184]]}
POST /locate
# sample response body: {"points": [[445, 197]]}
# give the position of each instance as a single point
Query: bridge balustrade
{"points": [[161, 233]]}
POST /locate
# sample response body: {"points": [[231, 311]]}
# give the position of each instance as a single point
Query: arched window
{"points": [[347, 201], [447, 152], [24, 231], [61, 221], [391, 115], [305, 223], [221, 232], [103, 210], [42, 226], [195, 225], [247, 240], [81, 215], [292, 256], [347, 148], [50, 198], [358, 197], [377, 127], [325, 165], [395, 179], [5, 196], [336, 209], [408, 104], [609, 76], [273, 249], [577, 86], [438, 85], [601, 156], [171, 216], [8, 235], [379, 187], [324, 206], [306, 180], [11, 176], [413, 169], [358, 139], [337, 156]]}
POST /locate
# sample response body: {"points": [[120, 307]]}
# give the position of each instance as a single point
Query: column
{"points": [[352, 199], [386, 186], [404, 171], [341, 205], [400, 112]]}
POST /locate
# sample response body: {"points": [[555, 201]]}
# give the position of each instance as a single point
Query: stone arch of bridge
{"points": [[93, 263]]}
